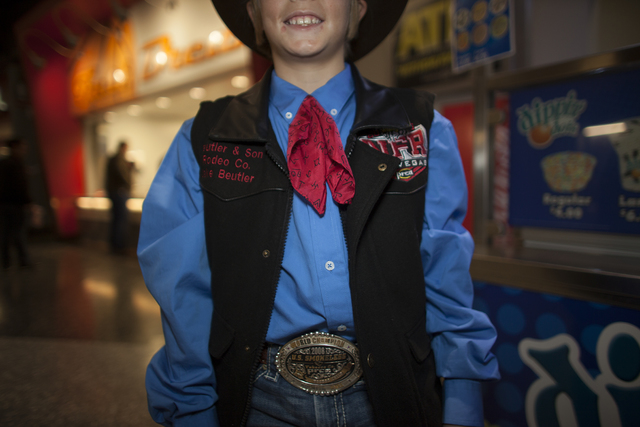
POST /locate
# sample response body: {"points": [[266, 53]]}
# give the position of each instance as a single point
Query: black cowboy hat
{"points": [[379, 20]]}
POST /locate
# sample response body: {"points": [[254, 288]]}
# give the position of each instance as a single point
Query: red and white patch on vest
{"points": [[410, 147]]}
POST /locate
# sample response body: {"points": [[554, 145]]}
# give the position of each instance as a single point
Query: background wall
{"points": [[148, 141], [616, 24], [547, 31]]}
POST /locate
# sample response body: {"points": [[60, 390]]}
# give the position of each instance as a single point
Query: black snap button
{"points": [[266, 253], [370, 360]]}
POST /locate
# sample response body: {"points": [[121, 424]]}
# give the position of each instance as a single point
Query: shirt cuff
{"points": [[208, 418], [463, 403]]}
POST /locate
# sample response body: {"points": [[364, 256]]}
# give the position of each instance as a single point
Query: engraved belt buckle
{"points": [[319, 363]]}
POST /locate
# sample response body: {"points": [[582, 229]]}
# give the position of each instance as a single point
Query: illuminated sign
{"points": [[563, 362], [422, 49], [154, 50], [574, 154], [483, 32], [159, 52], [104, 71]]}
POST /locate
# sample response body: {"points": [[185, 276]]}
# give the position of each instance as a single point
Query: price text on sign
{"points": [[631, 215], [567, 212]]}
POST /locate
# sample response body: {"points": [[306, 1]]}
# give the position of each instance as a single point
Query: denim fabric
{"points": [[277, 403]]}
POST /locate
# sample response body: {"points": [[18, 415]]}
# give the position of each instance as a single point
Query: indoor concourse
{"points": [[76, 333]]}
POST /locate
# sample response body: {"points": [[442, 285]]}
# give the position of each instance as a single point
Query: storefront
{"points": [[135, 81], [561, 277], [139, 83], [543, 98]]}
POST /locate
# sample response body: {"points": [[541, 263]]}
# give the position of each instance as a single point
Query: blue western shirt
{"points": [[313, 291]]}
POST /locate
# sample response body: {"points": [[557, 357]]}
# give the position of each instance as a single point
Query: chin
{"points": [[304, 51], [306, 54]]}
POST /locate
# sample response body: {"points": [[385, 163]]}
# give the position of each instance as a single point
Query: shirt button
{"points": [[288, 115], [342, 328], [334, 112], [329, 265]]}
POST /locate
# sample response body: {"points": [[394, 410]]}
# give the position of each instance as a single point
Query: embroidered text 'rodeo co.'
{"points": [[228, 162], [410, 147]]}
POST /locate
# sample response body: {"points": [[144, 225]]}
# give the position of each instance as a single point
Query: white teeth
{"points": [[303, 21]]}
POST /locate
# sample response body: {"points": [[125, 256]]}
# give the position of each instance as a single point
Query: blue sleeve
{"points": [[462, 337], [180, 380]]}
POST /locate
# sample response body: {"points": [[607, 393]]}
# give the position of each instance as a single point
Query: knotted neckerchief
{"points": [[315, 156]]}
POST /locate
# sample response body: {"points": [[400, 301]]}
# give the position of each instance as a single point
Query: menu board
{"points": [[482, 32], [575, 154]]}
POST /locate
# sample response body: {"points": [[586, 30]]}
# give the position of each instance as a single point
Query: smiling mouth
{"points": [[304, 21]]}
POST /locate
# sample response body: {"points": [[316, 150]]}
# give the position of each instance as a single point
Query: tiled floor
{"points": [[76, 334]]}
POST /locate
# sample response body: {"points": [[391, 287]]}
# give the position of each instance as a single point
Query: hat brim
{"points": [[381, 17]]}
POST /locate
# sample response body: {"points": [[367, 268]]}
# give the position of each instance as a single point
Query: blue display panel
{"points": [[561, 177], [563, 362], [482, 32]]}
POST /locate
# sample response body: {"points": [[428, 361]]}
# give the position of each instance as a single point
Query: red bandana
{"points": [[315, 156]]}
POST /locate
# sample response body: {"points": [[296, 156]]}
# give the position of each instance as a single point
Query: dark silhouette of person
{"points": [[118, 185], [14, 204]]}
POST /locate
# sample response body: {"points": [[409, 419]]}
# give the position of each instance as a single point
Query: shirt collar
{"points": [[333, 96]]}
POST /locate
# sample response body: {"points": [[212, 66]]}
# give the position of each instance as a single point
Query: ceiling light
{"points": [[604, 129], [197, 93], [216, 37], [134, 110], [163, 102], [161, 58], [119, 76], [240, 82]]}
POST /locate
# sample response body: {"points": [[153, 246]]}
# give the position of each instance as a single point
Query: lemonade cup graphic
{"points": [[627, 146]]}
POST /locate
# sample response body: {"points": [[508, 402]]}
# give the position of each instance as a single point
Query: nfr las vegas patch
{"points": [[408, 146]]}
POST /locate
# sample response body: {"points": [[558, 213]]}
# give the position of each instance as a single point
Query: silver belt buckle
{"points": [[319, 363]]}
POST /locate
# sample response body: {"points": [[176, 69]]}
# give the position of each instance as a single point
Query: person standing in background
{"points": [[118, 184], [14, 202]]}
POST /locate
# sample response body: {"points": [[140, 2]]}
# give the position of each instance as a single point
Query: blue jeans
{"points": [[277, 403]]}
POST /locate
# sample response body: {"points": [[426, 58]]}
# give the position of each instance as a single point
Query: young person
{"points": [[304, 242]]}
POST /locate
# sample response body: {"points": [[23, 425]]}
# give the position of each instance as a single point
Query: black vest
{"points": [[247, 205]]}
